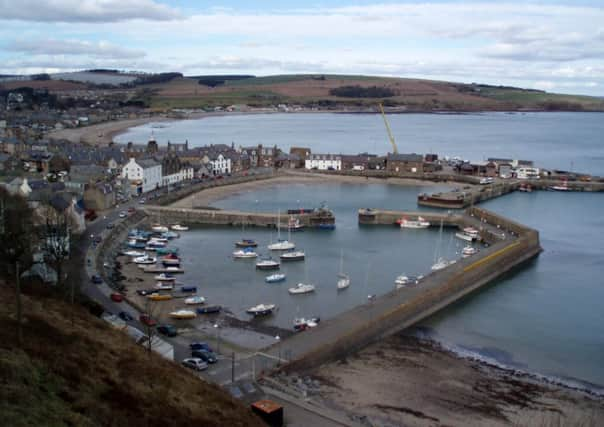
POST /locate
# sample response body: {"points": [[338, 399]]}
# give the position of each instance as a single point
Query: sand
{"points": [[405, 381]]}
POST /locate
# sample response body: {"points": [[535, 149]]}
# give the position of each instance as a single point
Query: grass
{"points": [[86, 374], [534, 98], [288, 78]]}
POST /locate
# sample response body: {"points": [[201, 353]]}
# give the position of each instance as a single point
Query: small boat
{"points": [[165, 277], [195, 300], [441, 264], [159, 228], [292, 256], [170, 235], [164, 286], [145, 259], [468, 251], [294, 224], [268, 264], [302, 288], [136, 245], [561, 187], [465, 236], [525, 188], [471, 231], [274, 278], [408, 223], [166, 251], [159, 239], [402, 281], [159, 297], [209, 309], [134, 254], [302, 324], [183, 314], [185, 288], [245, 253], [326, 226], [246, 243], [170, 260], [261, 309], [343, 279], [178, 227], [155, 244], [282, 245]]}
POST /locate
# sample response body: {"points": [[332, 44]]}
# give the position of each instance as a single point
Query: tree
{"points": [[18, 241], [55, 240]]}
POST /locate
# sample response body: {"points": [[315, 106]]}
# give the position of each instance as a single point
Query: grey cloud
{"points": [[73, 47], [237, 63], [85, 10]]}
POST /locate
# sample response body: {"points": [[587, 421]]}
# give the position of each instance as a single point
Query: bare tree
{"points": [[55, 240]]}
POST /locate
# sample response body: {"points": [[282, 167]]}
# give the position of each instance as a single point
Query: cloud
{"points": [[73, 47], [85, 10]]}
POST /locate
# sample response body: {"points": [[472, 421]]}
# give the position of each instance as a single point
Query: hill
{"points": [[86, 374]]}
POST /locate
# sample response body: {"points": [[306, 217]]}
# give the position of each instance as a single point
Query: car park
{"points": [[195, 364], [206, 356]]}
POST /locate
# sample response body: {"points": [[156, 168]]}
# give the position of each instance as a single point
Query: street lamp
{"points": [[278, 338], [217, 337]]}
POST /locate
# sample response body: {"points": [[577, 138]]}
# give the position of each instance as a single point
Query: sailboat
{"points": [[343, 279], [440, 262], [245, 243], [281, 245]]}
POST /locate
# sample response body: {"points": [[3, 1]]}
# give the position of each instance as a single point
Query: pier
{"points": [[512, 244], [467, 196], [388, 217]]}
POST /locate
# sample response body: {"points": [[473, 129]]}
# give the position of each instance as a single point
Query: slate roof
{"points": [[405, 158]]}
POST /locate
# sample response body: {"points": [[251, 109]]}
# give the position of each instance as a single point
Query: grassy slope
{"points": [[90, 375]]}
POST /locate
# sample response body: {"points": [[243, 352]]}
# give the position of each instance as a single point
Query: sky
{"points": [[554, 45]]}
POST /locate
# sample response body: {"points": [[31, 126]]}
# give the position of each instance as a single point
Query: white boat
{"points": [[268, 264], [274, 278], [468, 251], [183, 314], [159, 228], [442, 263], [281, 245], [163, 277], [292, 256], [261, 309], [178, 227], [164, 286], [134, 254], [302, 323], [294, 224], [195, 300], [302, 288], [561, 187], [343, 279], [471, 231], [419, 223], [157, 240], [465, 236], [245, 253], [170, 261], [145, 259], [402, 280]]}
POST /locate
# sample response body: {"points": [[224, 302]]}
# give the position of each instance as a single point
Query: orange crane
{"points": [[390, 137]]}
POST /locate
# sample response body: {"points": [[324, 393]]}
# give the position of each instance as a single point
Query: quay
{"points": [[388, 217], [512, 244], [466, 196], [309, 219]]}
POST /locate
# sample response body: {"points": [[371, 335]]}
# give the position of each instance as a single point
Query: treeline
{"points": [[213, 81], [357, 91], [156, 78]]}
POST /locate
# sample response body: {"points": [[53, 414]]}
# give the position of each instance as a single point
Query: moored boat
{"points": [[183, 314], [134, 254], [145, 259], [326, 226], [343, 281], [178, 227], [408, 223], [402, 280], [209, 309], [268, 264], [165, 277], [302, 288], [246, 243], [465, 236], [159, 297], [195, 300], [282, 245], [164, 286], [468, 251], [166, 251], [294, 224], [274, 278], [159, 228], [302, 323], [292, 256], [261, 309], [245, 253], [441, 264]]}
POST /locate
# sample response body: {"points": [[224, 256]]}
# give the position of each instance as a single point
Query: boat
{"points": [[158, 239], [302, 288], [178, 227], [183, 314], [268, 264], [246, 243], [525, 188], [245, 253], [170, 235], [465, 236], [281, 245], [171, 259], [166, 251], [134, 254], [408, 223], [439, 261], [261, 309], [188, 288], [326, 226], [165, 277], [403, 280], [159, 297], [145, 259], [274, 278], [561, 187], [343, 279], [159, 228], [468, 251], [292, 256], [154, 244], [136, 245], [294, 224], [442, 263], [209, 309], [195, 300], [164, 286], [302, 323]]}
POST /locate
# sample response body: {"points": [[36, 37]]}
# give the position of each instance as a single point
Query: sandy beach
{"points": [[412, 382]]}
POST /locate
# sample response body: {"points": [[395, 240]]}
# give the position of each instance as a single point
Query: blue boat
{"points": [[325, 226], [137, 245], [188, 289], [209, 309], [166, 251]]}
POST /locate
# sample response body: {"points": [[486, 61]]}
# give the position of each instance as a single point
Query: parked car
{"points": [[168, 330], [117, 297], [200, 346], [96, 279], [110, 226], [123, 214], [147, 320], [145, 292], [131, 210], [125, 316], [195, 364], [206, 356]]}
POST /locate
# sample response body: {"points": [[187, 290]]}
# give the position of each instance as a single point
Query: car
{"points": [[123, 214], [200, 346], [97, 240], [142, 201], [167, 330], [206, 356], [116, 297], [96, 279], [131, 210], [110, 226], [195, 364], [126, 317], [147, 320], [145, 292]]}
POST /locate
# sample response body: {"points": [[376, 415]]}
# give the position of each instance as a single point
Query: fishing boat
{"points": [[261, 309], [302, 288], [468, 251], [144, 260], [183, 314], [134, 254], [164, 286], [159, 297], [294, 224], [246, 243], [281, 245], [165, 277], [178, 227], [274, 278], [245, 253], [302, 323], [159, 228], [442, 263], [195, 300], [292, 256], [209, 309], [343, 279], [268, 264], [408, 223]]}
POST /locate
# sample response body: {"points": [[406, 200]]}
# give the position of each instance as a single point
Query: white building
{"points": [[220, 165], [184, 174], [145, 174], [323, 162]]}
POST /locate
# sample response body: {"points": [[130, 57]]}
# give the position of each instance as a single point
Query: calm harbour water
{"points": [[545, 318]]}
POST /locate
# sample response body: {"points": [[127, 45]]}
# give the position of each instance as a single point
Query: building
{"points": [[323, 162], [400, 164], [302, 153], [144, 174], [220, 164], [174, 170], [99, 196]]}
